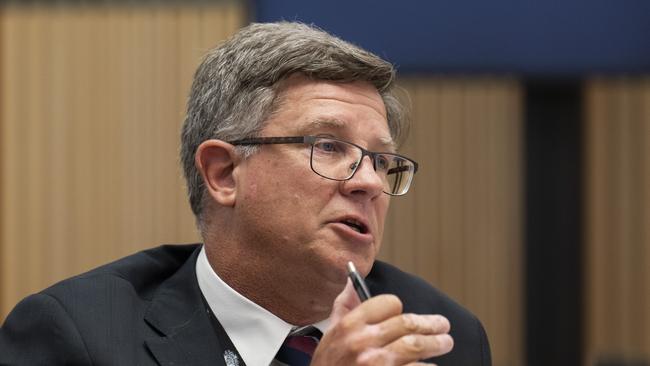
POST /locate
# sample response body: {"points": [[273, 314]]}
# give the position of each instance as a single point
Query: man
{"points": [[288, 149]]}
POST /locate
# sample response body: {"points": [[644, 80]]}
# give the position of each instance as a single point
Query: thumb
{"points": [[345, 302]]}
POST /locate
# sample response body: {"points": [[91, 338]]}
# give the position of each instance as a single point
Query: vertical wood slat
{"points": [[644, 321], [59, 148], [93, 99], [617, 212], [460, 226], [452, 189]]}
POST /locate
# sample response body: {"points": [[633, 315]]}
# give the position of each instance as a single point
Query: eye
{"points": [[327, 146], [382, 162]]}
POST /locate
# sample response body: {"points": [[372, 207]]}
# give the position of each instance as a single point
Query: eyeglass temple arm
{"points": [[270, 140]]}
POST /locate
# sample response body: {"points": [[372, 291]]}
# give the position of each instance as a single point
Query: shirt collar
{"points": [[254, 331]]}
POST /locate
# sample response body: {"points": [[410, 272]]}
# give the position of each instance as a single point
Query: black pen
{"points": [[358, 283]]}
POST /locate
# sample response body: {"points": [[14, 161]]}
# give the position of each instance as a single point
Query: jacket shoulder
{"points": [[140, 273], [416, 294], [95, 316]]}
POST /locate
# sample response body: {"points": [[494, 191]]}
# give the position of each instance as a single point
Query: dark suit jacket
{"points": [[147, 309]]}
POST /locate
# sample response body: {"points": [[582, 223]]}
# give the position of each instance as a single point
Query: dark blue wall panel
{"points": [[566, 38]]}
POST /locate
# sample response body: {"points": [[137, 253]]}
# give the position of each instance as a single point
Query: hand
{"points": [[377, 333]]}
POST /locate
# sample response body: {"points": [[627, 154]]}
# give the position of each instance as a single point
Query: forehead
{"points": [[348, 110]]}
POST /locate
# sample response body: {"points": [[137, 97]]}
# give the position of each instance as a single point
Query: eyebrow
{"points": [[331, 123], [387, 143]]}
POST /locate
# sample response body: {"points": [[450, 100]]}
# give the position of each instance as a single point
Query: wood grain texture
{"points": [[460, 226], [617, 212], [93, 99]]}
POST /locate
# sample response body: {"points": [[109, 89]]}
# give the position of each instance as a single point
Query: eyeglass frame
{"points": [[276, 140]]}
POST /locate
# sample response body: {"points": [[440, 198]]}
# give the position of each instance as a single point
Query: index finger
{"points": [[405, 324], [376, 309], [345, 302]]}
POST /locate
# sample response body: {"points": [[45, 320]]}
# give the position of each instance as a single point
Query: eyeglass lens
{"points": [[338, 160]]}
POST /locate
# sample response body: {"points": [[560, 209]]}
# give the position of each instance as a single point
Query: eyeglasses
{"points": [[338, 160]]}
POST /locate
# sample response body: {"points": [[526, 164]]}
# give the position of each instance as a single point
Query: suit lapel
{"points": [[178, 314]]}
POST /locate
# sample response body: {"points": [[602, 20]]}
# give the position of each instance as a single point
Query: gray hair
{"points": [[235, 88]]}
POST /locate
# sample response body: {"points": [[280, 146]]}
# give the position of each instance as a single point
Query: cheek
{"points": [[381, 212], [262, 176], [289, 190]]}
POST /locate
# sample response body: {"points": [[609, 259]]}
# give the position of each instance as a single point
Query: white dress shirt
{"points": [[254, 331]]}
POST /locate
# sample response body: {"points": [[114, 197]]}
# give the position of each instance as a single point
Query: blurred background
{"points": [[531, 122]]}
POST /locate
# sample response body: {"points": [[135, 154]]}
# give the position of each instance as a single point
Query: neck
{"points": [[295, 299]]}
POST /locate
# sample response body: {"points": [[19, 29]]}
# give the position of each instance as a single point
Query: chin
{"points": [[363, 262], [333, 256]]}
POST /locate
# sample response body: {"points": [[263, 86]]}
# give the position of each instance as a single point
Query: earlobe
{"points": [[216, 160]]}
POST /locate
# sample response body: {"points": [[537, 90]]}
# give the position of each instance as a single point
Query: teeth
{"points": [[355, 225]]}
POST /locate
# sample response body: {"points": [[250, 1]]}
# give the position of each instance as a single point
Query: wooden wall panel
{"points": [[617, 212], [92, 102], [460, 226]]}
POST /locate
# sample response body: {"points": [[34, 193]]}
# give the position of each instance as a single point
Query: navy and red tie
{"points": [[299, 347]]}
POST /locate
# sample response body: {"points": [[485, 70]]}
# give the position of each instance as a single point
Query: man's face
{"points": [[297, 219]]}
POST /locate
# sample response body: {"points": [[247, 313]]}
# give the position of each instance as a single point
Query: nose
{"points": [[365, 183]]}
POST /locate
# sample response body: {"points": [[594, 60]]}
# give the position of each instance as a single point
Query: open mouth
{"points": [[356, 225]]}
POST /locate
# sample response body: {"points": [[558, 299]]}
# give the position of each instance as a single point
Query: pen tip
{"points": [[351, 267]]}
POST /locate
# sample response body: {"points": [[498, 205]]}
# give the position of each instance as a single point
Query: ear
{"points": [[217, 160]]}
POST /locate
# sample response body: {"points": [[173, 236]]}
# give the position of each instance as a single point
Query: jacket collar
{"points": [[177, 312]]}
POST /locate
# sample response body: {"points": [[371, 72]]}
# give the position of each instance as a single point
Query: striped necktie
{"points": [[299, 347]]}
